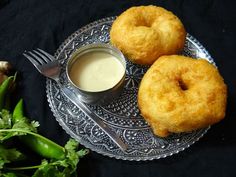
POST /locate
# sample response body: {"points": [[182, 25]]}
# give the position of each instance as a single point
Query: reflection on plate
{"points": [[122, 115]]}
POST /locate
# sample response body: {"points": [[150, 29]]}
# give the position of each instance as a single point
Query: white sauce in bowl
{"points": [[96, 71]]}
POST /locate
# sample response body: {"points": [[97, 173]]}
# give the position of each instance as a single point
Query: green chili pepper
{"points": [[43, 146], [11, 88], [3, 90], [36, 142], [18, 112]]}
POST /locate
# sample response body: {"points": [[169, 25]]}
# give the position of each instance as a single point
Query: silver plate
{"points": [[122, 115]]}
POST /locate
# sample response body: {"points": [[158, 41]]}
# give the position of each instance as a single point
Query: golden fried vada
{"points": [[144, 33], [180, 94]]}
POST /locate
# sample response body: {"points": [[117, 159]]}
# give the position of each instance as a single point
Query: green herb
{"points": [[9, 155], [56, 160]]}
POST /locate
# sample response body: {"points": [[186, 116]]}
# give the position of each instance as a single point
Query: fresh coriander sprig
{"points": [[56, 160]]}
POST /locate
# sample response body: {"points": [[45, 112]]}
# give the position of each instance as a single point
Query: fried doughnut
{"points": [[144, 33], [180, 94]]}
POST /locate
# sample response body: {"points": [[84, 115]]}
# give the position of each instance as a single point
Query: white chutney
{"points": [[96, 71]]}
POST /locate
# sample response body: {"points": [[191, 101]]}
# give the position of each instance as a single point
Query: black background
{"points": [[30, 24]]}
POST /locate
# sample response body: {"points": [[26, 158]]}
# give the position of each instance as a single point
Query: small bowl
{"points": [[96, 97]]}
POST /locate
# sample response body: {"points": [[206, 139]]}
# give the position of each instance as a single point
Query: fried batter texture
{"points": [[144, 33], [180, 94]]}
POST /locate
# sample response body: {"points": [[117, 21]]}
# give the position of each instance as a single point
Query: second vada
{"points": [[181, 94]]}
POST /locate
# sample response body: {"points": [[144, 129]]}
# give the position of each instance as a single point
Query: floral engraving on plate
{"points": [[122, 115]]}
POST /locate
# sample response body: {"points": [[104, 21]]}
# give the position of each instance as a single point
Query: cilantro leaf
{"points": [[73, 155], [5, 119], [22, 124], [47, 170], [9, 155], [62, 168]]}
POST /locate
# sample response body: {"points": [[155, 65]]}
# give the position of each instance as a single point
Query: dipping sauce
{"points": [[96, 71]]}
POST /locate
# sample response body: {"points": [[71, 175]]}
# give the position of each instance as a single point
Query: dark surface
{"points": [[29, 24]]}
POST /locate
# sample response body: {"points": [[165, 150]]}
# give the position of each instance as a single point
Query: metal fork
{"points": [[48, 66]]}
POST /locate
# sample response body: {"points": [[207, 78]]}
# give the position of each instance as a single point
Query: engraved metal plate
{"points": [[122, 115]]}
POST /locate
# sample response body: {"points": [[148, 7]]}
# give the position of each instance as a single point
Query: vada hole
{"points": [[144, 23], [182, 85]]}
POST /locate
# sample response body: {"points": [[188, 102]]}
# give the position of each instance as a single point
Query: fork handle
{"points": [[76, 100]]}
